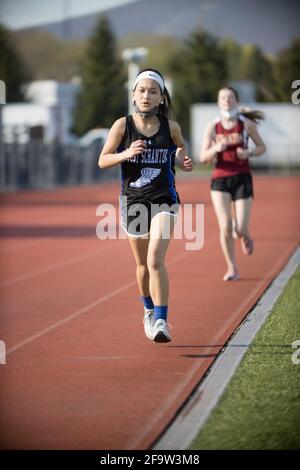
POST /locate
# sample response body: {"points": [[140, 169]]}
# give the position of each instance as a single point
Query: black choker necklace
{"points": [[152, 112]]}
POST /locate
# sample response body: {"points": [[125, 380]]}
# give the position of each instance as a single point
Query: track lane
{"points": [[96, 381]]}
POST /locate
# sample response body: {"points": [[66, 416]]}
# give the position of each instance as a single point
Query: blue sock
{"points": [[147, 301], [160, 311]]}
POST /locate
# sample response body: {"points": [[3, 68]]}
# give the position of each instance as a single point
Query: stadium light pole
{"points": [[133, 57]]}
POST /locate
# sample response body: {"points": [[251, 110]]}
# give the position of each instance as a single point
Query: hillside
{"points": [[267, 23]]}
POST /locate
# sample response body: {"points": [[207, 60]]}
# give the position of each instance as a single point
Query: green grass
{"points": [[260, 408]]}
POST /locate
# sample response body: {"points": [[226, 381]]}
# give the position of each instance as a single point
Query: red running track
{"points": [[79, 372]]}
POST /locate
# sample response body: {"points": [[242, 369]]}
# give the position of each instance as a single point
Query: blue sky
{"points": [[21, 13]]}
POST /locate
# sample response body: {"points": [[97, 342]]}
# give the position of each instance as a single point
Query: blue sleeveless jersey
{"points": [[151, 174]]}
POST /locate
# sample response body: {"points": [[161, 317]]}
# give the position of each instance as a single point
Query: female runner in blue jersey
{"points": [[146, 144]]}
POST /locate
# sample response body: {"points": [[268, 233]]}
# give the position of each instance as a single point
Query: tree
{"points": [[103, 97], [48, 57], [199, 69], [287, 69], [12, 68], [232, 52], [248, 62]]}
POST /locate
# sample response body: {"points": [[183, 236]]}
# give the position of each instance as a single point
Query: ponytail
{"points": [[252, 114], [165, 108]]}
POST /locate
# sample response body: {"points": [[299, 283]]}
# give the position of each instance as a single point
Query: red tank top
{"points": [[228, 163]]}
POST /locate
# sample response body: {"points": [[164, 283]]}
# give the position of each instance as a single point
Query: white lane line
{"points": [[24, 246], [38, 240], [147, 429], [48, 268], [193, 415], [71, 317], [82, 310], [52, 267], [98, 358]]}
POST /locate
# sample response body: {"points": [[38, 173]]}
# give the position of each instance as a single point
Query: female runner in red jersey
{"points": [[226, 144]]}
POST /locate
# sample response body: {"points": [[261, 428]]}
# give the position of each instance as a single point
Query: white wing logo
{"points": [[147, 175]]}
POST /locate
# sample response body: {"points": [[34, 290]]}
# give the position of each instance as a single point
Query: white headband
{"points": [[153, 76]]}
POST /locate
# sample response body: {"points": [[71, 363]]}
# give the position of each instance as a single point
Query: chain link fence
{"points": [[37, 165]]}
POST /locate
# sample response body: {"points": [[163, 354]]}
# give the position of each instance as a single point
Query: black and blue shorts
{"points": [[238, 186], [136, 215]]}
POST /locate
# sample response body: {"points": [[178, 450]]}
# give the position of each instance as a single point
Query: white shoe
{"points": [[161, 331], [148, 323]]}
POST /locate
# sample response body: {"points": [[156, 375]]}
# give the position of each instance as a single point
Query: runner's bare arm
{"points": [[210, 148], [185, 162], [260, 148], [108, 156]]}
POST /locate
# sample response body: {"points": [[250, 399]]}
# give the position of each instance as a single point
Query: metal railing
{"points": [[37, 165]]}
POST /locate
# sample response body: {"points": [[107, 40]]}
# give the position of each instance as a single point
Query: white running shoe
{"points": [[161, 331], [148, 323]]}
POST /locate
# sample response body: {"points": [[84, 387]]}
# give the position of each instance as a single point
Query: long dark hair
{"points": [[165, 108], [252, 114]]}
